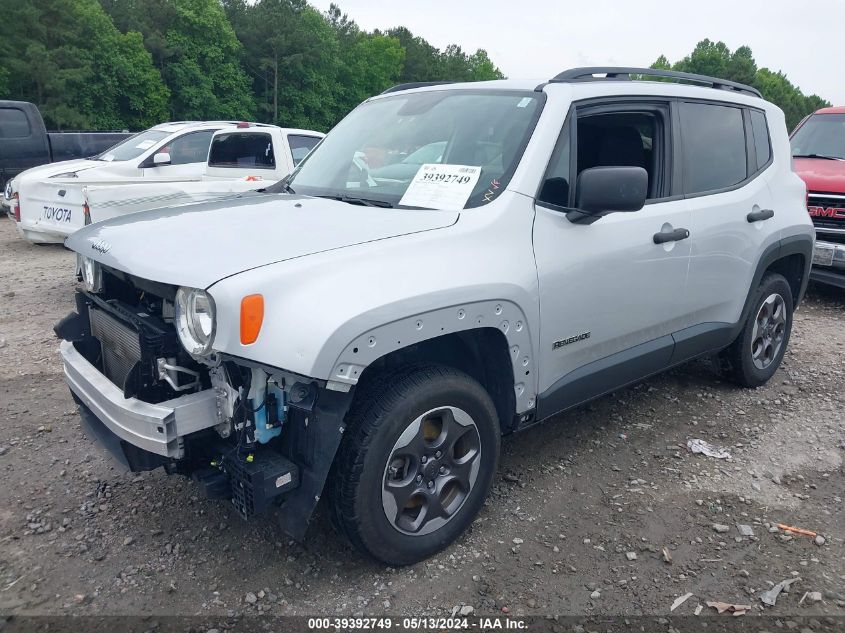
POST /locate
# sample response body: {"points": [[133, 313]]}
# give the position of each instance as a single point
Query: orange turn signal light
{"points": [[252, 316]]}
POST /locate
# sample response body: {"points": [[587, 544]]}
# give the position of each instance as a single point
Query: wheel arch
{"points": [[791, 257], [489, 340]]}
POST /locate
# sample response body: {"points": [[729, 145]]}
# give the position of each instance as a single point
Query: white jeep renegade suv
{"points": [[451, 264]]}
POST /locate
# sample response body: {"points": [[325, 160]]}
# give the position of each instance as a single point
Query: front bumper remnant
{"points": [[156, 428]]}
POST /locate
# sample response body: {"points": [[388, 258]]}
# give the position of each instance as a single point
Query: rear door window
{"points": [[713, 152], [13, 123], [245, 150], [762, 146]]}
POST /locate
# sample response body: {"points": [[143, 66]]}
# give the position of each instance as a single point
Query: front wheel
{"points": [[416, 463], [754, 357]]}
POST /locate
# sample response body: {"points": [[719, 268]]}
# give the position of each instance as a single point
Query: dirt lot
{"points": [[576, 523]]}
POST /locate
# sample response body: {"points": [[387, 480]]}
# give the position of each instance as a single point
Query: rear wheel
{"points": [[416, 463], [754, 357]]}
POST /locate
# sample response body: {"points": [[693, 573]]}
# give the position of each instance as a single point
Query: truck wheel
{"points": [[755, 355], [416, 463]]}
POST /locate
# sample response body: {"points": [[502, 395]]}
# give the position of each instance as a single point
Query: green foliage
{"points": [[133, 63], [196, 50], [716, 59], [68, 57]]}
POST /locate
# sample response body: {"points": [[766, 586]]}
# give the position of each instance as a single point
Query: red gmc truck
{"points": [[818, 152]]}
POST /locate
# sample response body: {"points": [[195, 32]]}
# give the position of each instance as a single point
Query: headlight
{"points": [[195, 320], [92, 274]]}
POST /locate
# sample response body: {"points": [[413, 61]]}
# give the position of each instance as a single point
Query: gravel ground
{"points": [[586, 513]]}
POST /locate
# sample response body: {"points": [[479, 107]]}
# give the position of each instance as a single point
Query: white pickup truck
{"points": [[240, 158]]}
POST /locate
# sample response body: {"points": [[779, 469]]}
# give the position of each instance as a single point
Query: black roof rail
{"points": [[622, 73], [415, 84]]}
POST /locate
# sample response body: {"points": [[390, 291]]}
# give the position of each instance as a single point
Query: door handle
{"points": [[762, 214], [671, 236]]}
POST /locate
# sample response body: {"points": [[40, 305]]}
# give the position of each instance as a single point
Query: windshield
{"points": [[459, 148], [822, 135], [133, 147]]}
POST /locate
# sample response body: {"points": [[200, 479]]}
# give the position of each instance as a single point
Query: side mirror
{"points": [[603, 190], [161, 159]]}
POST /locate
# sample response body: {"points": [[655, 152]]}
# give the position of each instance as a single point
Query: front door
{"points": [[611, 292], [188, 155]]}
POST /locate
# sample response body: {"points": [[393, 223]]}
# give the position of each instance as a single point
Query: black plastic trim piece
{"points": [[623, 73], [312, 445], [701, 339], [605, 375]]}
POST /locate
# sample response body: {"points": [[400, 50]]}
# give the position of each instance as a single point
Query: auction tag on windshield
{"points": [[445, 187], [145, 144]]}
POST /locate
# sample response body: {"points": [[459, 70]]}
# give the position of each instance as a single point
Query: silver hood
{"points": [[197, 245]]}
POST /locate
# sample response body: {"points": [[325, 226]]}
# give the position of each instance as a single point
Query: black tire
{"points": [[737, 361], [380, 415]]}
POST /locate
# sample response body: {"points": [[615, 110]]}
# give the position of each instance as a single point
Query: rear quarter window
{"points": [[762, 144], [713, 152], [13, 123]]}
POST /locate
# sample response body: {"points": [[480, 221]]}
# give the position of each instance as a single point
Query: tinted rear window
{"points": [[761, 138], [713, 147], [245, 150], [13, 123]]}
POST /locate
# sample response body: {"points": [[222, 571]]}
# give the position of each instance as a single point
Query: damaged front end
{"points": [[256, 435]]}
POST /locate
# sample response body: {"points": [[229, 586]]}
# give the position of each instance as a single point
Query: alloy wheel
{"points": [[431, 470], [769, 330]]}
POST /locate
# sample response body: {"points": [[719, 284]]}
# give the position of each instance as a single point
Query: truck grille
{"points": [[827, 210], [121, 346]]}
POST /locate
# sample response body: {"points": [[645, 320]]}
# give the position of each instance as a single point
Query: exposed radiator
{"points": [[121, 345]]}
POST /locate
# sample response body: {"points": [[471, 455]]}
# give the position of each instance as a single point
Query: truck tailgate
{"points": [[52, 206], [109, 201]]}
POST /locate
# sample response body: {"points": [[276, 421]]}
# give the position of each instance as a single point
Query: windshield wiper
{"points": [[825, 157], [281, 186], [365, 202]]}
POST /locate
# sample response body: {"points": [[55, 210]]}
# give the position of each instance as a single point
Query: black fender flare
{"points": [[792, 245]]}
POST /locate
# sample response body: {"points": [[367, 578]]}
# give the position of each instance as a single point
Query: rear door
{"points": [[730, 202]]}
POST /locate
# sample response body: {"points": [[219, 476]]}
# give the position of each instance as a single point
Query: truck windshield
{"points": [[381, 147], [821, 136], [133, 147]]}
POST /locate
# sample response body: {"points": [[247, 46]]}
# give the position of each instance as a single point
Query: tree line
{"points": [[716, 60], [115, 64]]}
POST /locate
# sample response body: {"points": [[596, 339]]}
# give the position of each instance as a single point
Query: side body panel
{"points": [[380, 296], [608, 281], [726, 247]]}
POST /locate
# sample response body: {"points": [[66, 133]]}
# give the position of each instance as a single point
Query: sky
{"points": [[535, 39]]}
